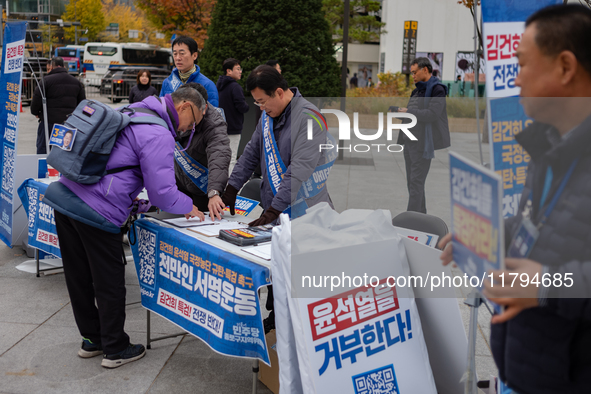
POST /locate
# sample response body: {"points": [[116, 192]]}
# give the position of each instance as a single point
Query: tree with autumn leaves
{"points": [[95, 15], [293, 32], [90, 15], [186, 17]]}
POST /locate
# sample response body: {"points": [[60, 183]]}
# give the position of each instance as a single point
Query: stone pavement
{"points": [[38, 335]]}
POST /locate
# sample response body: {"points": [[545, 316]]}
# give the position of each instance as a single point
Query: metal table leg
{"points": [[149, 339], [255, 376]]}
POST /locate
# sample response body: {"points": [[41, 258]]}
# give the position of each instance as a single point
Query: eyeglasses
{"points": [[261, 105]]}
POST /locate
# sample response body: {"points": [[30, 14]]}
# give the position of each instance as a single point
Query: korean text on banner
{"points": [[42, 231], [10, 87], [503, 27], [477, 224], [206, 291]]}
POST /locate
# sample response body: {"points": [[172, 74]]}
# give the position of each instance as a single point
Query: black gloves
{"points": [[229, 198], [268, 216]]}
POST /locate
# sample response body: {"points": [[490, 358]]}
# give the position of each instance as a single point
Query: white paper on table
{"points": [[193, 222], [263, 250], [214, 231]]}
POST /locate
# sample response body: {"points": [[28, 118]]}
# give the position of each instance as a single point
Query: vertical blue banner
{"points": [[42, 233], [10, 97], [508, 158], [504, 24]]}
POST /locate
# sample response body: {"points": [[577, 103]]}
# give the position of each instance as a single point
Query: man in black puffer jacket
{"points": [[63, 93], [541, 342]]}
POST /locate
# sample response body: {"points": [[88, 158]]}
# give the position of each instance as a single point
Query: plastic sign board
{"points": [[477, 224], [10, 96]]}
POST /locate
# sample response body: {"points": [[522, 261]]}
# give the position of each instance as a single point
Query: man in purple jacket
{"points": [[88, 220]]}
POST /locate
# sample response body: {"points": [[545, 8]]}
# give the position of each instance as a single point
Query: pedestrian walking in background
{"points": [[427, 103], [63, 92], [353, 81], [232, 101]]}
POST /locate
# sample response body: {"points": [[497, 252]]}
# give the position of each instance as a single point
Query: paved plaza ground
{"points": [[39, 338]]}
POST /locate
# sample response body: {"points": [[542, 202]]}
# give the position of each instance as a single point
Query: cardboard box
{"points": [[269, 376]]}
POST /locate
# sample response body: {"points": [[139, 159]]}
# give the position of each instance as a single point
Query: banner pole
{"points": [[473, 301], [476, 77], [45, 125]]}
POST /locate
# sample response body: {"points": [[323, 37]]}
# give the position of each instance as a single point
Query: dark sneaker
{"points": [[90, 349], [132, 353]]}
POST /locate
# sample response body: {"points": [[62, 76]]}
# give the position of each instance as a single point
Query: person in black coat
{"points": [[63, 93], [232, 102], [231, 96], [427, 103], [143, 88]]}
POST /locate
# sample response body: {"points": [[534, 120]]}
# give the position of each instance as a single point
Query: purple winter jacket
{"points": [[152, 148]]}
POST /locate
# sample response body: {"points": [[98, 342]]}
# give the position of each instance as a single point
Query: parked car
{"points": [[117, 82], [36, 65]]}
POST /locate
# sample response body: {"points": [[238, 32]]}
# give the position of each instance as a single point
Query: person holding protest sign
{"points": [[541, 340]]}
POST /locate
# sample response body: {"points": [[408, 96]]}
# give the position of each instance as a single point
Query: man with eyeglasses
{"points": [[280, 145], [287, 156], [427, 103], [232, 101], [89, 220], [185, 53], [202, 156]]}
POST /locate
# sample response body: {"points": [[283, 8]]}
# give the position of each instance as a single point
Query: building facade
{"points": [[444, 27]]}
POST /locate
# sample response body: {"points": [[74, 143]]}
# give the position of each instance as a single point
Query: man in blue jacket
{"points": [[541, 341], [185, 53]]}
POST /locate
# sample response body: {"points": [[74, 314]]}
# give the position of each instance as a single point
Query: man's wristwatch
{"points": [[213, 193]]}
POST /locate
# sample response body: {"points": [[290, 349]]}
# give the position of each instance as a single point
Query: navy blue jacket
{"points": [[547, 349], [435, 112], [233, 102]]}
